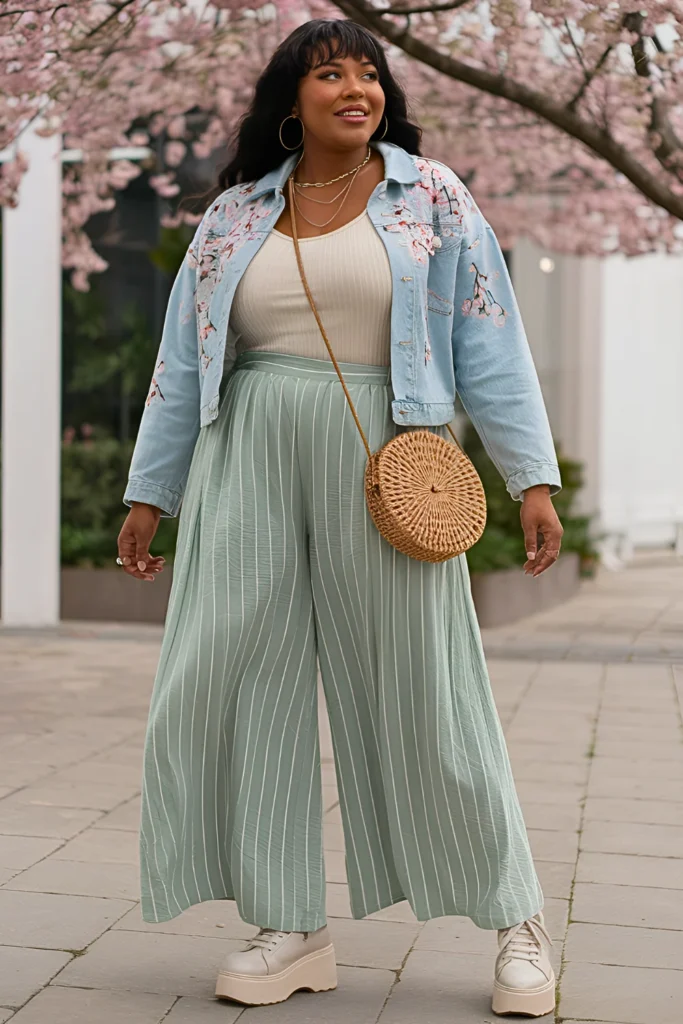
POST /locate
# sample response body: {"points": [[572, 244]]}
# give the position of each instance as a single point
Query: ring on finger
{"points": [[119, 562]]}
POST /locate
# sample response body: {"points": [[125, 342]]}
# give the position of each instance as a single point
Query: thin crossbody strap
{"points": [[316, 314]]}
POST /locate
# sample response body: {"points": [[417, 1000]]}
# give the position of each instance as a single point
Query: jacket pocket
{"points": [[437, 304]]}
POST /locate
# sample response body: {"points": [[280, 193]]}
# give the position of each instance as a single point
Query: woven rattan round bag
{"points": [[423, 493], [425, 496]]}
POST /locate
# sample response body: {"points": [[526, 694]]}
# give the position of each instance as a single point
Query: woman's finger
{"points": [[128, 553], [549, 553]]}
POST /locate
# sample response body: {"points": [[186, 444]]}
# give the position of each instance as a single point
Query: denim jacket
{"points": [[455, 326]]}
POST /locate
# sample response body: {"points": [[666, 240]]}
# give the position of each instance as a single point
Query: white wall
{"points": [[607, 338], [641, 466], [561, 313]]}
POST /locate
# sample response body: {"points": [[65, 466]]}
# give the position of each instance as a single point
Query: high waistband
{"points": [[318, 369]]}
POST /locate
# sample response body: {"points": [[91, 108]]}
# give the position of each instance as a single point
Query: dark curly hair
{"points": [[256, 143]]}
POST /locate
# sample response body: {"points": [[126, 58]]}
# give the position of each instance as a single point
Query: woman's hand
{"points": [[538, 515], [134, 540]]}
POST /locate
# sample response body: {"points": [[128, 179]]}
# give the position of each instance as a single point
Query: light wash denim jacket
{"points": [[455, 326]]}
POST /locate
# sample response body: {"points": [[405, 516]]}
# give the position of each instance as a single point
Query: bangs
{"points": [[336, 40]]}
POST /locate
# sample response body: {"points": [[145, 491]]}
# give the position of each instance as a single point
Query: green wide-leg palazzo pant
{"points": [[279, 567]]}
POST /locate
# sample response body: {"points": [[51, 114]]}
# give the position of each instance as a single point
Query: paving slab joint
{"points": [[168, 1012], [591, 756], [398, 973]]}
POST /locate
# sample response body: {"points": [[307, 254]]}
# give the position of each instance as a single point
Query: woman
{"points": [[279, 565]]}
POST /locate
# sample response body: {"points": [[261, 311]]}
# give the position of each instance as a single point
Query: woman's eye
{"points": [[369, 74]]}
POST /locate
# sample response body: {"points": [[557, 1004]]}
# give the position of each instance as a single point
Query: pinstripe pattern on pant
{"points": [[278, 564]]}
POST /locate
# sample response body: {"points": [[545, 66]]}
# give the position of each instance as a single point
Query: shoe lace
{"points": [[266, 938], [524, 941]]}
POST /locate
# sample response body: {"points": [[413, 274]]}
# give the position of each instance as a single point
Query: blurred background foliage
{"points": [[502, 543], [108, 357]]}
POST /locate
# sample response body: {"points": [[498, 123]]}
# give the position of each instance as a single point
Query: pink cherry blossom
{"points": [[584, 158]]}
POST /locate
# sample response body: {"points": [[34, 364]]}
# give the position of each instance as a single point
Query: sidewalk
{"points": [[590, 697]]}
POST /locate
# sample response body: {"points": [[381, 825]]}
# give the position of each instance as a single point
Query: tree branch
{"points": [[426, 8], [598, 141], [117, 9], [32, 10], [577, 51], [670, 145], [588, 75]]}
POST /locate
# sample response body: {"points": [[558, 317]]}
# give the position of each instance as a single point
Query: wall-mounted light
{"points": [[546, 264]]}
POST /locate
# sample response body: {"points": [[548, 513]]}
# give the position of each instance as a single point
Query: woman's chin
{"points": [[352, 137]]}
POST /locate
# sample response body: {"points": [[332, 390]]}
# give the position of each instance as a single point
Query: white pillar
{"points": [[31, 390]]}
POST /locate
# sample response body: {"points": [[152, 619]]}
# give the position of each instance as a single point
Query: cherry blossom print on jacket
{"points": [[483, 301], [155, 393]]}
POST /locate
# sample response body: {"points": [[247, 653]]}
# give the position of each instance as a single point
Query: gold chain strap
{"points": [[304, 281]]}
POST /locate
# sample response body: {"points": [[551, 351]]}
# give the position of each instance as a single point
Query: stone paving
{"points": [[590, 697]]}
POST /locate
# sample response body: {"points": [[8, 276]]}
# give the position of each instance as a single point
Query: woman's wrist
{"points": [[145, 504], [536, 488]]}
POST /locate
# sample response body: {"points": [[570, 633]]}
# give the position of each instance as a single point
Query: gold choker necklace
{"points": [[321, 184]]}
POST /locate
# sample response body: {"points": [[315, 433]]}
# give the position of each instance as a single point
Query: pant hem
{"points": [[492, 922], [157, 915]]}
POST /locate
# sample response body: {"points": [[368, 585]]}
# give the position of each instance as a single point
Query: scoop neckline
{"points": [[326, 234]]}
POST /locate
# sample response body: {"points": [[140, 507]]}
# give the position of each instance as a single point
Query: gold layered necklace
{"points": [[326, 202], [343, 193], [321, 184], [346, 190]]}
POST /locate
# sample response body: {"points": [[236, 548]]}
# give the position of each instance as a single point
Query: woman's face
{"points": [[343, 84]]}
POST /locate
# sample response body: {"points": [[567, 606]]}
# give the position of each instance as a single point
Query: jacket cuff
{"points": [[532, 474], [165, 498]]}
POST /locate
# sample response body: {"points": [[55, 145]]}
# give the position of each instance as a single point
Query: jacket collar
{"points": [[399, 166]]}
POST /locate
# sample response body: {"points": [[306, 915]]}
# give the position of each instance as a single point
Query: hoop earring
{"points": [[386, 129], [294, 117]]}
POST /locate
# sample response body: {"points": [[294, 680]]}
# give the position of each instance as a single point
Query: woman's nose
{"points": [[355, 89]]}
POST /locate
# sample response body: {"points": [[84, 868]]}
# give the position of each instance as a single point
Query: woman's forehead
{"points": [[336, 53]]}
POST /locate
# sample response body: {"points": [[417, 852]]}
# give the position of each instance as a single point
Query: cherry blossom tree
{"points": [[169, 74], [563, 116], [582, 100]]}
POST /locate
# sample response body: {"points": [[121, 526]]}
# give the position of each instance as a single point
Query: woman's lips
{"points": [[354, 118]]}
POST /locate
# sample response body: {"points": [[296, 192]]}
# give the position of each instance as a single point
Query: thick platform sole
{"points": [[316, 972], [535, 1002]]}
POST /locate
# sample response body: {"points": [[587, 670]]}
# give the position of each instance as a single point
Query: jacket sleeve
{"points": [[494, 372], [170, 421]]}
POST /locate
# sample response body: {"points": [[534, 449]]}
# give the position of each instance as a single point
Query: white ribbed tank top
{"points": [[350, 279]]}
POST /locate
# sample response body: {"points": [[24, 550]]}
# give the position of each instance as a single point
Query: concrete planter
{"points": [[109, 595], [508, 595]]}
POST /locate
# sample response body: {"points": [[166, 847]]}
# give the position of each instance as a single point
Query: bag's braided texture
{"points": [[425, 497]]}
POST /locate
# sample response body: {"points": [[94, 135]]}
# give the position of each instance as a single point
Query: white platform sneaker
{"points": [[274, 964], [524, 980]]}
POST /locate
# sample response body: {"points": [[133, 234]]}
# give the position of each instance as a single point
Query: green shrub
{"points": [[502, 543], [94, 475]]}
